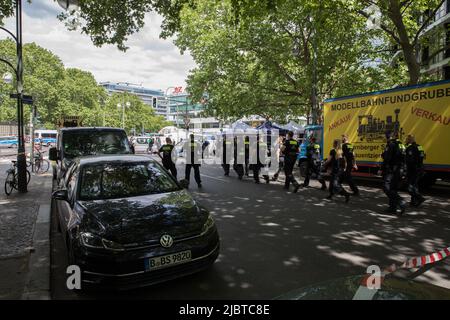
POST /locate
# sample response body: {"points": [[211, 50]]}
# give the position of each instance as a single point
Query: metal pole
{"points": [[32, 137], [21, 157], [123, 115]]}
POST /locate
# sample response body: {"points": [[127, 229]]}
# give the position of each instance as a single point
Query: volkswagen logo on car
{"points": [[166, 241]]}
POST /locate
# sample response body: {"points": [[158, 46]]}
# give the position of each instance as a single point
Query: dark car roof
{"points": [[91, 129], [112, 158]]}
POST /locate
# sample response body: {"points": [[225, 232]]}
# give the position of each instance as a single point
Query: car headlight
{"points": [[208, 224], [91, 240]]}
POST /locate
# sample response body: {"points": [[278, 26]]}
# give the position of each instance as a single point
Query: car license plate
{"points": [[168, 260]]}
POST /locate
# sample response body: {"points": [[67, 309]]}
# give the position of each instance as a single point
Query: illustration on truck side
{"points": [[371, 128]]}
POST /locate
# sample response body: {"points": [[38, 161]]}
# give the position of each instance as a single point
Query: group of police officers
{"points": [[398, 160]]}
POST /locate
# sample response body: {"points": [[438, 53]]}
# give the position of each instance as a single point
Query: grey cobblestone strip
{"points": [[17, 221]]}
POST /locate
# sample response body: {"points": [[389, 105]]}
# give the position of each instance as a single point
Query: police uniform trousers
{"points": [[311, 168], [346, 176], [289, 164], [239, 168], [196, 172], [390, 188], [413, 176], [226, 168]]}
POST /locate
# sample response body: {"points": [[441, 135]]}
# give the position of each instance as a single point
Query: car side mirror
{"points": [[184, 183], [60, 194], [53, 154]]}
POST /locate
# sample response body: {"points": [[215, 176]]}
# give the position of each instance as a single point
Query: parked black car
{"points": [[127, 223], [86, 141]]}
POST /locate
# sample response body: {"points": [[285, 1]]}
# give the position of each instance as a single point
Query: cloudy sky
{"points": [[150, 61]]}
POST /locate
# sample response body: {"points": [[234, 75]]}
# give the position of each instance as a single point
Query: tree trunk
{"points": [[408, 49]]}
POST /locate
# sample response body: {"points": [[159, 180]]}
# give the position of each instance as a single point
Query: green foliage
{"points": [[264, 64], [57, 91]]}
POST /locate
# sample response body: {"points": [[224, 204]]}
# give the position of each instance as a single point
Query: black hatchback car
{"points": [[128, 223]]}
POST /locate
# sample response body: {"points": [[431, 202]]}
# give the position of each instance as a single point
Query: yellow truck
{"points": [[422, 110]]}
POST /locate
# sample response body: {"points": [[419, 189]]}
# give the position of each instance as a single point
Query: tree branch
{"points": [[382, 26], [425, 23]]}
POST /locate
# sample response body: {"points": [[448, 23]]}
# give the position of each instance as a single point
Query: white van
{"points": [[140, 144]]}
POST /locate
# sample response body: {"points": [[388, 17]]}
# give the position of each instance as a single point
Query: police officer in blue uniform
{"points": [[313, 163], [393, 160], [166, 157], [193, 152], [350, 164], [290, 150], [414, 156]]}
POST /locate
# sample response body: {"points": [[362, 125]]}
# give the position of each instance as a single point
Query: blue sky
{"points": [[150, 61]]}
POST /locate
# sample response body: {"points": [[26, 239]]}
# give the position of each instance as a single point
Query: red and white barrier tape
{"points": [[366, 293]]}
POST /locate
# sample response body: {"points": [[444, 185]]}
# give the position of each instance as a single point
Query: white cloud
{"points": [[150, 61]]}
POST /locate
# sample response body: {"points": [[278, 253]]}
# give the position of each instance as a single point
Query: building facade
{"points": [[434, 53], [153, 98]]}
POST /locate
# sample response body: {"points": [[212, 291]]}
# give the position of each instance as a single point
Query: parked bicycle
{"points": [[12, 178], [39, 165]]}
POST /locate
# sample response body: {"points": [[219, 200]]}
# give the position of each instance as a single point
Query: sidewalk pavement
{"points": [[24, 240]]}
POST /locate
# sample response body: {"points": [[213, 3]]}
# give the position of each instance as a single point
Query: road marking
{"points": [[218, 179]]}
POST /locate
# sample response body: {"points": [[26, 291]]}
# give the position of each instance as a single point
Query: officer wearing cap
{"points": [[166, 157], [393, 160], [414, 156], [193, 158], [350, 164], [290, 150], [313, 162]]}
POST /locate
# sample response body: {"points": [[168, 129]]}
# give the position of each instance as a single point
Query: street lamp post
{"points": [[18, 70], [123, 105]]}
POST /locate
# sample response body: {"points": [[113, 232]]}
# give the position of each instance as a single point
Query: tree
{"points": [[264, 63], [58, 91], [402, 22]]}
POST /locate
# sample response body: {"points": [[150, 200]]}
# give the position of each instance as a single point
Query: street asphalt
{"points": [[273, 241]]}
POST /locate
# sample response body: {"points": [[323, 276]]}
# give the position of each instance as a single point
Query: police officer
{"points": [[261, 153], [393, 159], [193, 154], [166, 157], [281, 140], [226, 147], [247, 154], [414, 156], [350, 164], [337, 162], [313, 163], [238, 157], [290, 150]]}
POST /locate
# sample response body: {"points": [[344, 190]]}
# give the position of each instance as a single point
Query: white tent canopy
{"points": [[240, 125], [295, 127]]}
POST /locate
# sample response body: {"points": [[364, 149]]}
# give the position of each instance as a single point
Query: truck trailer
{"points": [[421, 110]]}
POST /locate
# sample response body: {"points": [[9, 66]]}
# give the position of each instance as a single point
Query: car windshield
{"points": [[113, 181], [85, 143]]}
